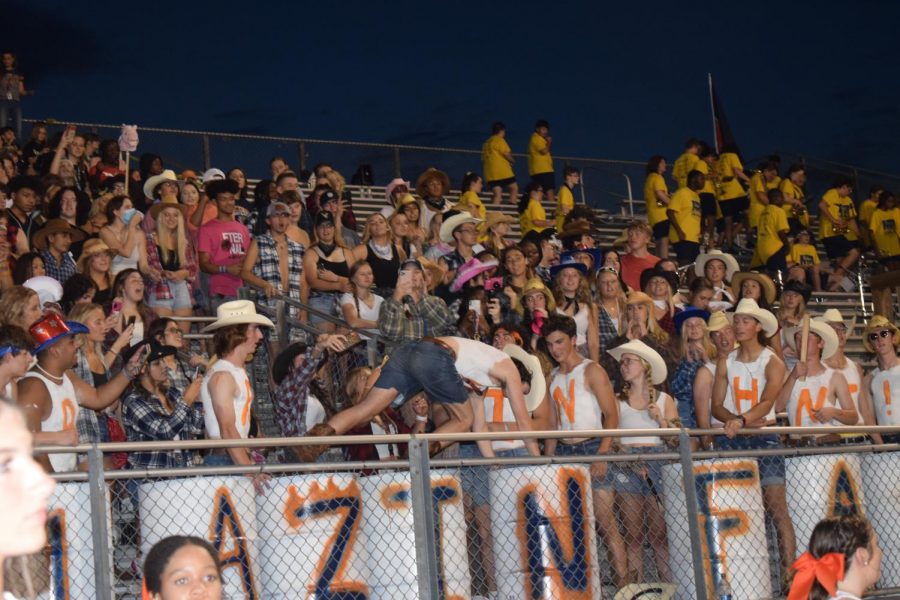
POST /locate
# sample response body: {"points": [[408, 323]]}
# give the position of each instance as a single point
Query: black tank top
{"points": [[338, 268], [384, 271]]}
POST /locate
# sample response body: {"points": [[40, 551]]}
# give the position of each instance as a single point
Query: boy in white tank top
{"points": [[815, 395], [584, 399], [851, 371], [225, 392], [883, 384], [748, 381], [51, 395]]}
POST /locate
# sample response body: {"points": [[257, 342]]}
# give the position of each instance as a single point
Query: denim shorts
{"points": [[588, 448], [476, 480], [217, 460], [181, 297], [628, 478], [771, 468], [323, 302], [423, 366]]}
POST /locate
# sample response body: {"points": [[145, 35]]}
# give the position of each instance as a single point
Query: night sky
{"points": [[616, 80]]}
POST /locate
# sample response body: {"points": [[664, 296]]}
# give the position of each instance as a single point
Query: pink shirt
{"points": [[225, 243], [632, 267]]}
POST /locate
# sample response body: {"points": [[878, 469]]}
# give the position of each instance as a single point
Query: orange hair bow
{"points": [[827, 570]]}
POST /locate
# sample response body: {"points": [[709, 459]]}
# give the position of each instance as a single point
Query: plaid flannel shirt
{"points": [[429, 317], [145, 420], [290, 396], [608, 329], [58, 270], [160, 289], [86, 422], [268, 268]]}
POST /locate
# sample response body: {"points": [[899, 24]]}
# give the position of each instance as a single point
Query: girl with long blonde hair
{"points": [[573, 298], [382, 252], [170, 253]]}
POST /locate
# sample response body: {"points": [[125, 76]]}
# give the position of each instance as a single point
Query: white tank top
{"points": [[632, 418], [809, 396], [120, 263], [498, 410], [581, 323], [242, 400], [886, 395], [851, 374], [474, 360], [63, 414], [746, 382], [575, 403]]}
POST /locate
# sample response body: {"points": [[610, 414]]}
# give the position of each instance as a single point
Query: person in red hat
{"points": [[51, 395]]}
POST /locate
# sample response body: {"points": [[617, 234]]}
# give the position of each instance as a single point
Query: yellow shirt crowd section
{"points": [[686, 206], [804, 255], [684, 164], [655, 213], [727, 165], [772, 221], [533, 212], [883, 224], [565, 202], [493, 159], [839, 208], [538, 161]]}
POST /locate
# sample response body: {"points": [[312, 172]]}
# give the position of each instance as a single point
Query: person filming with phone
{"points": [[411, 313]]}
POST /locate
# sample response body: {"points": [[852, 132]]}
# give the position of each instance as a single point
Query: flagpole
{"points": [[712, 109]]}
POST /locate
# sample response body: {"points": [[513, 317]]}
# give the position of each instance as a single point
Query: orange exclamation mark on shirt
{"points": [[887, 396]]}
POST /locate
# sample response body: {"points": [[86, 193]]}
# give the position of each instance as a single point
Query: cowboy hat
{"points": [[670, 277], [407, 199], [471, 269], [453, 222], [819, 327], [39, 239], [833, 315], [51, 328], [798, 287], [596, 255], [658, 370], [213, 174], [152, 182], [48, 289], [167, 202], [749, 307], [493, 217], [237, 312], [389, 189], [535, 394], [646, 591], [430, 173], [535, 284], [764, 281], [567, 260], [730, 262], [91, 247], [719, 320], [687, 313], [877, 322], [636, 297], [437, 270], [284, 361]]}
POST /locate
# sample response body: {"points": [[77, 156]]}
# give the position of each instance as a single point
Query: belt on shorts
{"points": [[442, 345], [830, 439]]}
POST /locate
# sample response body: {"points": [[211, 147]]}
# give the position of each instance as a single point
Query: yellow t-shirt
{"points": [[757, 187], [804, 255], [684, 164], [839, 208], [565, 201], [772, 221], [686, 205], [794, 192], [731, 186], [537, 162], [473, 203], [533, 212], [884, 231], [655, 213], [493, 161], [866, 209], [708, 185]]}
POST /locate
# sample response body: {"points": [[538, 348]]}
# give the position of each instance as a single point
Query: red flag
{"points": [[721, 129]]}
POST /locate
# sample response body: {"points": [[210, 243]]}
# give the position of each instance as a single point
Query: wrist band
{"points": [[222, 269], [421, 418]]}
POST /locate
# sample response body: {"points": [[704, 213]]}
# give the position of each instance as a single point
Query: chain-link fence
{"points": [[511, 527]]}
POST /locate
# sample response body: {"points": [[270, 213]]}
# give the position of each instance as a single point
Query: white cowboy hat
{"points": [[819, 327], [833, 315], [731, 264], [749, 307], [150, 184], [719, 320], [237, 312], [535, 395], [658, 370], [453, 222]]}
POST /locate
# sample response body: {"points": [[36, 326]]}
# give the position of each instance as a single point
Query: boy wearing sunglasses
{"points": [[882, 338]]}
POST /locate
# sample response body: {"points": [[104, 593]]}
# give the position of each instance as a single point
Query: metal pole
{"points": [[423, 519], [206, 158], [397, 162], [712, 108], [100, 534], [301, 155], [690, 501], [281, 323], [630, 195]]}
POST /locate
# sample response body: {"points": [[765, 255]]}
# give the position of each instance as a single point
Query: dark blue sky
{"points": [[615, 80]]}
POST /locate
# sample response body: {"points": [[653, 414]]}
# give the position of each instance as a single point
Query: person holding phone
{"points": [[128, 308], [411, 313]]}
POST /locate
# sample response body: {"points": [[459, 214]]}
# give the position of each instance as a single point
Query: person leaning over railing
{"points": [[411, 313], [155, 410]]}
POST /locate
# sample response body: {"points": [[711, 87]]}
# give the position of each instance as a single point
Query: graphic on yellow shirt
{"points": [[493, 161], [684, 164], [839, 208], [538, 162], [884, 231], [565, 201], [655, 212], [686, 206], [804, 255]]}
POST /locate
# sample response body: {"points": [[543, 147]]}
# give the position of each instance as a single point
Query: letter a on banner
{"points": [[227, 537]]}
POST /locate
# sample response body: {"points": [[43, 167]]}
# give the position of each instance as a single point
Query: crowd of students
{"points": [[487, 331]]}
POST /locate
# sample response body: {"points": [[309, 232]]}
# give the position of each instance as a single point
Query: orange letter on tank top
{"points": [[245, 412], [887, 397], [68, 414], [805, 403], [740, 394], [568, 404], [496, 394]]}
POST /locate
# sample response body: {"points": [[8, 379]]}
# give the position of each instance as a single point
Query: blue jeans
{"points": [[475, 480], [588, 448], [771, 468], [627, 476], [217, 460], [423, 366]]}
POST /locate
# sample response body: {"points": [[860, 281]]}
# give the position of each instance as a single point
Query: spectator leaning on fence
{"points": [[225, 392]]}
